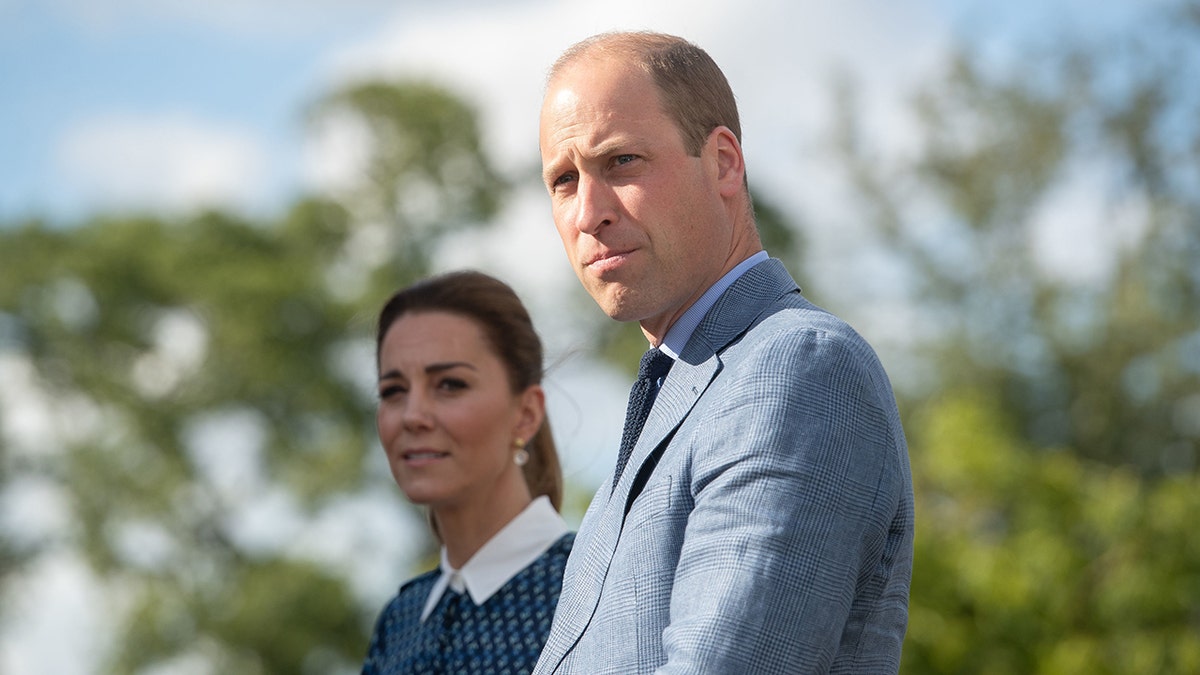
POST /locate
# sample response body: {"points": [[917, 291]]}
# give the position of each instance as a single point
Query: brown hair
{"points": [[694, 91], [493, 305]]}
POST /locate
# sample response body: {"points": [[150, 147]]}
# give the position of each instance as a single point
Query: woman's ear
{"points": [[531, 411]]}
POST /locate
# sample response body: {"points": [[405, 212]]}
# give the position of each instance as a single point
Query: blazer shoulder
{"points": [[794, 320], [421, 582], [765, 304], [794, 340]]}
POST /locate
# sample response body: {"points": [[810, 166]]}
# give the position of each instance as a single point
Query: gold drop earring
{"points": [[522, 456]]}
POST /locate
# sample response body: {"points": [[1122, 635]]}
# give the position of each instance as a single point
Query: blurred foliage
{"points": [[1040, 562], [1096, 348], [140, 329], [153, 339], [1055, 430], [424, 170]]}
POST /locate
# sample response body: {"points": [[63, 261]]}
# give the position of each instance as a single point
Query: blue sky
{"points": [[223, 84], [66, 65]]}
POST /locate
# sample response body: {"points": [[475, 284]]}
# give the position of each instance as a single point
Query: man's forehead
{"points": [[561, 99], [595, 66], [600, 90]]}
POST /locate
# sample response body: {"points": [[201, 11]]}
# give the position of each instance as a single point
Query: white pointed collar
{"points": [[512, 549]]}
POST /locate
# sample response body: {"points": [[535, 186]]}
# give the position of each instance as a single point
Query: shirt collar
{"points": [[679, 334], [509, 551]]}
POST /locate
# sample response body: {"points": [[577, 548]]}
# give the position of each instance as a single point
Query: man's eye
{"points": [[623, 159], [562, 180]]}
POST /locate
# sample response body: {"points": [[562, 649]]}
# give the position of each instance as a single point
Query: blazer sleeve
{"points": [[799, 471]]}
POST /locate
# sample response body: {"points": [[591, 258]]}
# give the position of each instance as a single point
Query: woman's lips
{"points": [[422, 456]]}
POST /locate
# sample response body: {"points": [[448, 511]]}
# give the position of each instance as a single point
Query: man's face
{"points": [[642, 221]]}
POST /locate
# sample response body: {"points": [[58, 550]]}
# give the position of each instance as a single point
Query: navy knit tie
{"points": [[653, 368]]}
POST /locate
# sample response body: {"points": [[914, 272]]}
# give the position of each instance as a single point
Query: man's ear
{"points": [[729, 162]]}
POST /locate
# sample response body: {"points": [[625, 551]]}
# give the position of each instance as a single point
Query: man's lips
{"points": [[607, 259]]}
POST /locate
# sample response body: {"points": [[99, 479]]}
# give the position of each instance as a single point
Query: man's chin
{"points": [[617, 300], [612, 303], [622, 311]]}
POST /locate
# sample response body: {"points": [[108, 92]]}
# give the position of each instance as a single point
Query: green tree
{"points": [[1055, 427], [192, 365], [146, 327], [1104, 135], [1040, 562], [424, 171]]}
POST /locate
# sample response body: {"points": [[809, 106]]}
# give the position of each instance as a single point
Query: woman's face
{"points": [[447, 416]]}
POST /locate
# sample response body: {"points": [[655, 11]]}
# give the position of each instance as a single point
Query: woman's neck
{"points": [[464, 530]]}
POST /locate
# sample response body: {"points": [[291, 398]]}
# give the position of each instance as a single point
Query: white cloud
{"points": [[264, 19], [778, 56], [172, 161], [774, 52]]}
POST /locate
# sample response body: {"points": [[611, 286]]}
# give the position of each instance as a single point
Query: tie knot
{"points": [[654, 365]]}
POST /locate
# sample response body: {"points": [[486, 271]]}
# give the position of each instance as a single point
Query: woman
{"points": [[463, 422]]}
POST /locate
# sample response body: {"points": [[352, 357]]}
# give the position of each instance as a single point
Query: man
{"points": [[763, 521]]}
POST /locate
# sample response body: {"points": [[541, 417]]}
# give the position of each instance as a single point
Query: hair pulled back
{"points": [[509, 332]]}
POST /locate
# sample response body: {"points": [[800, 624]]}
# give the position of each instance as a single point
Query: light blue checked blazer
{"points": [[764, 523]]}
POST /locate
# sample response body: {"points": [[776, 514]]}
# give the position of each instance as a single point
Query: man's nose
{"points": [[597, 205]]}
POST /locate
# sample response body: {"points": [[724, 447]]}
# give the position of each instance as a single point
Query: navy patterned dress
{"points": [[503, 636]]}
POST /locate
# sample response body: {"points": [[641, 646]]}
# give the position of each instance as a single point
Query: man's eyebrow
{"points": [[605, 148], [609, 147], [551, 171]]}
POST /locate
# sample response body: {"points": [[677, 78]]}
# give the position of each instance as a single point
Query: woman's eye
{"points": [[390, 391], [452, 384]]}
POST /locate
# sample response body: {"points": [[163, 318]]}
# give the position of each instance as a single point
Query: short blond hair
{"points": [[693, 90]]}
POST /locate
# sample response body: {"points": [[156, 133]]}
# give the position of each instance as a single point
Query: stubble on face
{"points": [[631, 194]]}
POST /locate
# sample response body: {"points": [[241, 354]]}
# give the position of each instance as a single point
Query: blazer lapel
{"points": [[583, 585], [680, 391], [738, 308], [690, 376]]}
